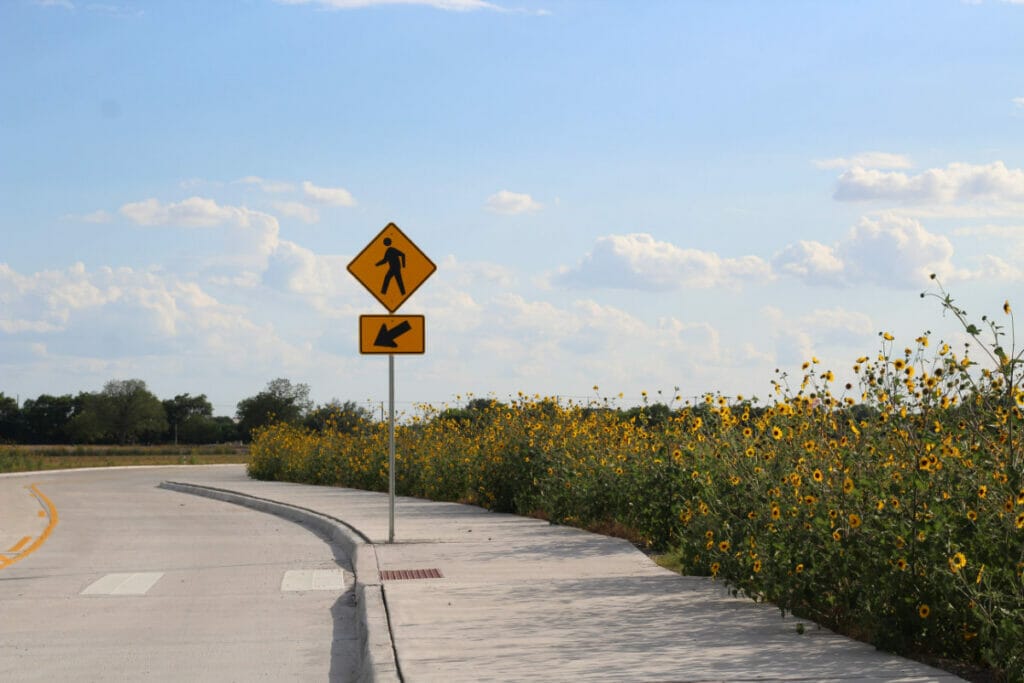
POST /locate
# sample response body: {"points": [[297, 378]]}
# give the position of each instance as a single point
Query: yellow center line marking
{"points": [[49, 510], [19, 545]]}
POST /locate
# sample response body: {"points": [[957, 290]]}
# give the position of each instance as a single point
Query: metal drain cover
{"points": [[402, 574]]}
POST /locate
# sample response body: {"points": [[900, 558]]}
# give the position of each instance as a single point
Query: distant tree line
{"points": [[126, 412]]}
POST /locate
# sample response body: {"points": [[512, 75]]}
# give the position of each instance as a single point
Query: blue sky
{"points": [[633, 195]]}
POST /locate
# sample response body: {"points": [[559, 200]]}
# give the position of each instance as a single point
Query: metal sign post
{"points": [[391, 267], [391, 448]]}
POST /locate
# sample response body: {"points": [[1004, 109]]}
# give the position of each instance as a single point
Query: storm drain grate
{"points": [[401, 574]]}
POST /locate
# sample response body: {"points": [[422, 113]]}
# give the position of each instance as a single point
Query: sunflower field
{"points": [[890, 508]]}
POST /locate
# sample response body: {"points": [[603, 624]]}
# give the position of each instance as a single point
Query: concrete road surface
{"points": [[105, 577]]}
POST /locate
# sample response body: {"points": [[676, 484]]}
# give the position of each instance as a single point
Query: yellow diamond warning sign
{"points": [[391, 333], [391, 267]]}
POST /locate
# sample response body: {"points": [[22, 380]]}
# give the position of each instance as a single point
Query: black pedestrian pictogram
{"points": [[395, 261], [391, 267]]}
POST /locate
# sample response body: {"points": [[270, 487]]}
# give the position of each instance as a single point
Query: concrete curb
{"points": [[378, 663]]}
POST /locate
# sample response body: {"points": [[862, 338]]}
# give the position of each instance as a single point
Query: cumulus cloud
{"points": [[866, 160], [1018, 102], [890, 250], [638, 261], [797, 338], [269, 186], [468, 274], [956, 183], [332, 196], [254, 234], [810, 261], [306, 214], [540, 340], [507, 202], [996, 268], [112, 315], [298, 270]]}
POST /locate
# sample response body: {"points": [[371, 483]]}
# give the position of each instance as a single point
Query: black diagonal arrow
{"points": [[387, 337]]}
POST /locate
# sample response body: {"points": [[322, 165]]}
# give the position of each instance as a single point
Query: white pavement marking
{"points": [[137, 583], [313, 580]]}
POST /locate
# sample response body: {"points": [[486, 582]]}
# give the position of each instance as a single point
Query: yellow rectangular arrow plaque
{"points": [[391, 333]]}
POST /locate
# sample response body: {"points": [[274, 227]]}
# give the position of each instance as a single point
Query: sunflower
{"points": [[901, 564], [776, 433], [957, 562], [923, 611], [855, 520]]}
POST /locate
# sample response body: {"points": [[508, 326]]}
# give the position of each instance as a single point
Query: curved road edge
{"points": [[379, 662]]}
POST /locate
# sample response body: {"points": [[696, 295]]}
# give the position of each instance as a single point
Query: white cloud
{"points": [[638, 261], [269, 186], [539, 341], [455, 5], [333, 196], [194, 212], [298, 270], [66, 4], [1000, 231], [254, 234], [124, 316], [956, 183], [866, 160], [510, 203], [476, 273], [306, 214], [996, 268], [890, 250], [810, 261], [799, 338]]}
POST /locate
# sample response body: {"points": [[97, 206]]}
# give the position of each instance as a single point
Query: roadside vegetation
{"points": [[890, 509], [32, 458]]}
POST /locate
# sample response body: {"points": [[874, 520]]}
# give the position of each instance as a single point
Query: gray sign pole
{"points": [[391, 448]]}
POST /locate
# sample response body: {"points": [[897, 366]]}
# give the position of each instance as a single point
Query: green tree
{"points": [[10, 419], [188, 410], [348, 417], [124, 412], [199, 429], [46, 418], [281, 401]]}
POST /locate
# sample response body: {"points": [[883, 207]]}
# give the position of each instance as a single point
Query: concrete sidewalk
{"points": [[522, 600]]}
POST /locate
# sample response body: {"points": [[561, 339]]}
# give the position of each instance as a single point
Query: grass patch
{"points": [[41, 458]]}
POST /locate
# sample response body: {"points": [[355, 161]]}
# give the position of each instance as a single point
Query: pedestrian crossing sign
{"points": [[391, 267]]}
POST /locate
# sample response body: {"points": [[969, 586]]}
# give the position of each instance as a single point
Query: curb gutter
{"points": [[379, 664]]}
